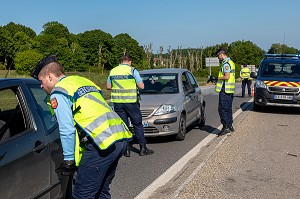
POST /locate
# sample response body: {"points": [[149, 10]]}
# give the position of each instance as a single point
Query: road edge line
{"points": [[180, 164]]}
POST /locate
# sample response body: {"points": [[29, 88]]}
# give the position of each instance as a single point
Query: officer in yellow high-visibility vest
{"points": [[93, 136], [124, 81], [246, 80], [225, 86]]}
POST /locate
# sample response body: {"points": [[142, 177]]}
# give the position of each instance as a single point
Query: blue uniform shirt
{"points": [[136, 76], [63, 113]]}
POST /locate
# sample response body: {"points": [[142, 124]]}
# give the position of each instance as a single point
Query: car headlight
{"points": [[165, 109], [260, 84]]}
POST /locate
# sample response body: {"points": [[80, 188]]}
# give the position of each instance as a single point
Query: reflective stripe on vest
{"points": [[95, 117], [124, 89], [230, 83]]}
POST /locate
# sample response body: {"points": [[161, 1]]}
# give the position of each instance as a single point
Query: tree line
{"points": [[95, 50]]}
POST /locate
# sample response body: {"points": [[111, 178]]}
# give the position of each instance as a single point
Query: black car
{"points": [[277, 81], [30, 148]]}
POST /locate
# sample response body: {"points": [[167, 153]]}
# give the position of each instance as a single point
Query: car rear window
{"points": [[159, 83]]}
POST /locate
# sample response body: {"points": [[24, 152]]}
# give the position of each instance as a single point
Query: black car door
{"points": [[24, 153]]}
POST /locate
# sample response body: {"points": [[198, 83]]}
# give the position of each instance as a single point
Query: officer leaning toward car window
{"points": [[93, 136], [225, 86], [246, 80], [124, 81]]}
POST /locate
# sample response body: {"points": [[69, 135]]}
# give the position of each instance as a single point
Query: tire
{"points": [[256, 107], [201, 121], [182, 128]]}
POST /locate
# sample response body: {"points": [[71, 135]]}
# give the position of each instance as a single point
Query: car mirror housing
{"points": [[253, 75]]}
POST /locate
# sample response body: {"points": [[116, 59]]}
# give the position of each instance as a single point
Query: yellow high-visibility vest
{"points": [[124, 88], [92, 114], [230, 83]]}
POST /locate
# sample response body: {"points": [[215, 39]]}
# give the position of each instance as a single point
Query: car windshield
{"points": [[159, 83], [285, 70]]}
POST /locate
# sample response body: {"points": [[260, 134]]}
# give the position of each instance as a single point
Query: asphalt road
{"points": [[136, 173]]}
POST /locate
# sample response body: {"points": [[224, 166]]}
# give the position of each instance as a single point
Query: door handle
{"points": [[39, 147]]}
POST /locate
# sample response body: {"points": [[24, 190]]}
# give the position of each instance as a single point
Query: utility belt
{"points": [[83, 137]]}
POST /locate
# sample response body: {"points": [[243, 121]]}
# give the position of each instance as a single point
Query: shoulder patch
{"points": [[226, 67], [54, 103]]}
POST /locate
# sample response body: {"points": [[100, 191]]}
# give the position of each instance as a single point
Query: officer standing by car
{"points": [[124, 81], [93, 136], [246, 80], [225, 86]]}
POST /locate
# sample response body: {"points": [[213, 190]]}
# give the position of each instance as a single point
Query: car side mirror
{"points": [[190, 91], [253, 75]]}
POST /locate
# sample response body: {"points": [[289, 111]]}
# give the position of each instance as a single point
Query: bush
{"points": [[26, 61]]}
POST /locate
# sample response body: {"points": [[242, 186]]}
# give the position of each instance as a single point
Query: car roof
{"points": [[281, 58], [24, 80], [163, 70]]}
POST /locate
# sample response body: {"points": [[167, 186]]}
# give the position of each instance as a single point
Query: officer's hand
{"points": [[212, 79], [68, 167]]}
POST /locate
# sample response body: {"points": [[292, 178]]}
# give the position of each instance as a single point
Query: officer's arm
{"points": [[241, 75], [108, 86], [65, 121], [138, 79], [141, 85], [108, 83], [226, 76]]}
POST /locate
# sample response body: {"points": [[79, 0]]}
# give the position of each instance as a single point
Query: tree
{"points": [[245, 52], [90, 41], [149, 51], [26, 61], [12, 38], [282, 49], [56, 29], [136, 52]]}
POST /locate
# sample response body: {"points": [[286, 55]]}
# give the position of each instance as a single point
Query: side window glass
{"points": [[185, 83], [41, 99], [192, 80], [12, 121]]}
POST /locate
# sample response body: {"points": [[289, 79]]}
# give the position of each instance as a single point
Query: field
{"points": [[97, 78]]}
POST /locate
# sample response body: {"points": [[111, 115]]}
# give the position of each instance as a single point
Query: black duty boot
{"points": [[127, 150], [224, 131], [231, 128], [145, 151]]}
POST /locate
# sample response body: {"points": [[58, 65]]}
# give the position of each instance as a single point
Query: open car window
{"points": [[12, 117]]}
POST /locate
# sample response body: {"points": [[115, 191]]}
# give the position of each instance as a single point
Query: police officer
{"points": [[225, 87], [246, 80], [124, 81], [93, 136]]}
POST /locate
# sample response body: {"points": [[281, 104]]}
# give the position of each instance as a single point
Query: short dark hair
{"points": [[221, 50], [125, 57]]}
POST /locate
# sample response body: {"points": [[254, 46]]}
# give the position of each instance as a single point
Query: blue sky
{"points": [[186, 23]]}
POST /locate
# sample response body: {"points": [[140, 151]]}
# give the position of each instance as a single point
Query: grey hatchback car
{"points": [[170, 102]]}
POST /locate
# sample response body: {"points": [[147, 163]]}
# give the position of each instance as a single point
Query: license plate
{"points": [[283, 97]]}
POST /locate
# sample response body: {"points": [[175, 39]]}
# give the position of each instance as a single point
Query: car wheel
{"points": [[201, 121], [256, 107], [182, 128]]}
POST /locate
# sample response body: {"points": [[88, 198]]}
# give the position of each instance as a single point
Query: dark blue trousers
{"points": [[133, 112], [96, 171], [248, 83], [225, 108]]}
